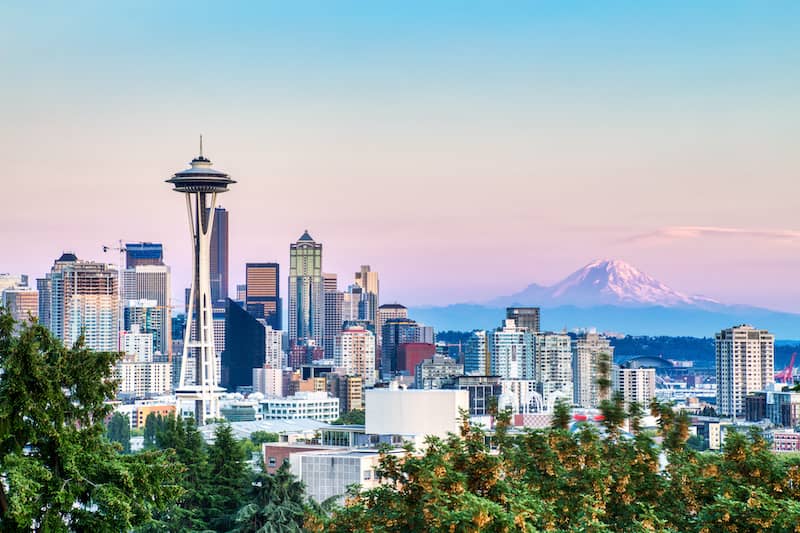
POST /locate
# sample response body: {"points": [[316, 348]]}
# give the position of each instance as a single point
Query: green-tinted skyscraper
{"points": [[306, 292]]}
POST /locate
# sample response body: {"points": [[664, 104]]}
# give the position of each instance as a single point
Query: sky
{"points": [[462, 149]]}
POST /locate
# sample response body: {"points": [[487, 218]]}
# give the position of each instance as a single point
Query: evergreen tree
{"points": [[119, 431], [57, 470], [276, 505], [229, 478]]}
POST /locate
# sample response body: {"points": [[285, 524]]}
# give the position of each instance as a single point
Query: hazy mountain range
{"points": [[612, 295]]}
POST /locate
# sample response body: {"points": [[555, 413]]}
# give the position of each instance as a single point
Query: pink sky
{"points": [[463, 154]]}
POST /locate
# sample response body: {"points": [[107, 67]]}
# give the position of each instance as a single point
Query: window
{"points": [[272, 461]]}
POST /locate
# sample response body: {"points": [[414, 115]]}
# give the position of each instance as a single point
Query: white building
{"points": [[137, 344], [635, 384], [414, 413], [511, 352], [586, 354], [314, 405], [328, 473], [273, 346], [142, 379], [354, 351], [745, 359], [521, 396], [268, 381], [553, 367]]}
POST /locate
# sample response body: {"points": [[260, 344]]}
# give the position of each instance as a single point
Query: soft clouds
{"points": [[675, 233]]}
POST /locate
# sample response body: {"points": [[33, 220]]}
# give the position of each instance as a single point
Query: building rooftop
{"points": [[305, 237]]}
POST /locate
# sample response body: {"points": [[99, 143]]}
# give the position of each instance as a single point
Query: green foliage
{"points": [[59, 472], [119, 431], [586, 480], [276, 504], [354, 417], [260, 437]]}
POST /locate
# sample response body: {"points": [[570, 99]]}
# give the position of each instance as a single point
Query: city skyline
{"points": [[644, 148]]}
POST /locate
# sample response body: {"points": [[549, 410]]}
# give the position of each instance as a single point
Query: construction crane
{"points": [[785, 375]]}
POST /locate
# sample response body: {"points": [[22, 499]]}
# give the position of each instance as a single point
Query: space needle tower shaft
{"points": [[200, 185]]}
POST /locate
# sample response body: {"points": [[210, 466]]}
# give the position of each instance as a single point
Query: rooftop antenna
{"points": [[201, 146]]}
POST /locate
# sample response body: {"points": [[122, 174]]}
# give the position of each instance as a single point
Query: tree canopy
{"points": [[58, 471]]}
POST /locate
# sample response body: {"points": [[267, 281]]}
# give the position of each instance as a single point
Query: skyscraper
{"points": [[43, 286], [219, 258], [368, 281], [151, 281], [84, 301], [333, 312], [397, 331], [385, 312], [476, 356], [354, 351], [143, 253], [525, 317], [587, 350], [200, 185], [245, 347], [306, 294], [637, 384], [22, 303], [553, 367], [262, 292], [745, 359], [511, 351]]}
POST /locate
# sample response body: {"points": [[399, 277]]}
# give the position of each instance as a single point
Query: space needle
{"points": [[200, 184]]}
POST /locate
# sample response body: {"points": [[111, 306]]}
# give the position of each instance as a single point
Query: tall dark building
{"points": [[219, 257], [143, 253], [525, 317], [245, 347], [262, 292], [396, 331]]}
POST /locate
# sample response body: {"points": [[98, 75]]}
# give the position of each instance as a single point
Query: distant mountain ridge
{"points": [[604, 282], [613, 296]]}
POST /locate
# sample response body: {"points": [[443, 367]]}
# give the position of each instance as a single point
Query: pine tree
{"points": [[229, 478]]}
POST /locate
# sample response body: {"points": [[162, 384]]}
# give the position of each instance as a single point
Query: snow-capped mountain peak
{"points": [[606, 282]]}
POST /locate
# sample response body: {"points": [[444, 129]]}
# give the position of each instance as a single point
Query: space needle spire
{"points": [[200, 185]]}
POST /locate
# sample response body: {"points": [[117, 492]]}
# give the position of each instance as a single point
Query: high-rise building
{"points": [[745, 359], [354, 351], [333, 312], [136, 343], [397, 331], [635, 384], [84, 302], [148, 317], [143, 253], [385, 312], [370, 286], [201, 184], [241, 293], [245, 347], [273, 346], [438, 372], [12, 281], [262, 292], [525, 317], [43, 286], [22, 303], [587, 351], [151, 281], [476, 356], [349, 390], [306, 295], [219, 257], [511, 351], [553, 367]]}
